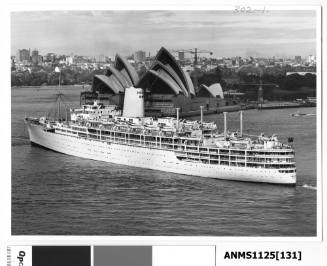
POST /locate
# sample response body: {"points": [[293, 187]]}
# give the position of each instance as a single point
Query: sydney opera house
{"points": [[166, 86]]}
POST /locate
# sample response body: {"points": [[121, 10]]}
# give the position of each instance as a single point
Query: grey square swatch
{"points": [[122, 256]]}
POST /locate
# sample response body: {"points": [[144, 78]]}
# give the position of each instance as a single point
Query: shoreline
{"points": [[236, 108], [47, 86], [232, 108]]}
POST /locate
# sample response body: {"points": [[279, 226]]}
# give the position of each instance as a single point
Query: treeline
{"points": [[245, 80], [43, 77], [215, 76], [280, 87], [276, 84], [291, 87]]}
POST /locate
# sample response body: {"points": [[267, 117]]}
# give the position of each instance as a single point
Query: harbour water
{"points": [[57, 194]]}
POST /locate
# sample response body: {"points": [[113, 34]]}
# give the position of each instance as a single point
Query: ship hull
{"points": [[150, 158]]}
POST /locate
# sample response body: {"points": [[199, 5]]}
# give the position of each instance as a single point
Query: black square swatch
{"points": [[61, 256]]}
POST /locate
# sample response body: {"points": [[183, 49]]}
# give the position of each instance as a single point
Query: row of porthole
{"points": [[163, 155], [176, 163], [248, 170], [169, 162], [82, 143]]}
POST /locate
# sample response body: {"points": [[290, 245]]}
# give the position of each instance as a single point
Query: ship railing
{"points": [[271, 159], [238, 155], [242, 159], [261, 147], [287, 160], [180, 154], [193, 156], [173, 144], [273, 164], [237, 152], [271, 156]]}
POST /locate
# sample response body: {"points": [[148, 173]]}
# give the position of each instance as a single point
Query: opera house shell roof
{"points": [[215, 90], [164, 77], [169, 76], [116, 78]]}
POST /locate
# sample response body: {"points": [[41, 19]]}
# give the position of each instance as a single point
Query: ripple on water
{"points": [[54, 193]]}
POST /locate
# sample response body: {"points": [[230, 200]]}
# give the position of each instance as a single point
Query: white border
{"points": [[5, 195]]}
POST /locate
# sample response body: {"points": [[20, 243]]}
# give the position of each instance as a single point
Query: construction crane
{"points": [[196, 73], [194, 51]]}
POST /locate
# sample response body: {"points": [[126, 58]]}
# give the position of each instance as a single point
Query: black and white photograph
{"points": [[165, 122]]}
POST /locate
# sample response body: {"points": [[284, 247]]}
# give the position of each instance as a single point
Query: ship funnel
{"points": [[225, 125], [133, 102], [241, 123], [201, 110]]}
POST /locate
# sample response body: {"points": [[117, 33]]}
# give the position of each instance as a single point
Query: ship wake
{"points": [[309, 187]]}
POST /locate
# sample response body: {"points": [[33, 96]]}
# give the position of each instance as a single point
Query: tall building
{"points": [[12, 63], [181, 56], [311, 59], [101, 58], [17, 57], [40, 59], [23, 55], [298, 59], [49, 57], [35, 57], [139, 56], [70, 60]]}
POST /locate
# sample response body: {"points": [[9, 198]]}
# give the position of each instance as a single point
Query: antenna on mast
{"points": [[57, 70]]}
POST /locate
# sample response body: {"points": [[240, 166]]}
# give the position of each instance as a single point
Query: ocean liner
{"points": [[170, 144]]}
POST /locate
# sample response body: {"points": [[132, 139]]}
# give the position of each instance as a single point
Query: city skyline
{"points": [[225, 33]]}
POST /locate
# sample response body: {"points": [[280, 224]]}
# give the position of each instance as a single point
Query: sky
{"points": [[225, 33]]}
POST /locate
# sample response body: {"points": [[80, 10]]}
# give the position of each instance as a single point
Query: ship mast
{"points": [[225, 125], [58, 100], [241, 123], [59, 94]]}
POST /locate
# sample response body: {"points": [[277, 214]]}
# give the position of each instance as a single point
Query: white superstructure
{"points": [[94, 112], [168, 144]]}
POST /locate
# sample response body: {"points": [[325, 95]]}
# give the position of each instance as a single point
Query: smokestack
{"points": [[225, 125], [241, 123], [177, 117], [133, 102]]}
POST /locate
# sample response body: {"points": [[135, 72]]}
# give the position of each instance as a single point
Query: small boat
{"points": [[298, 113]]}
